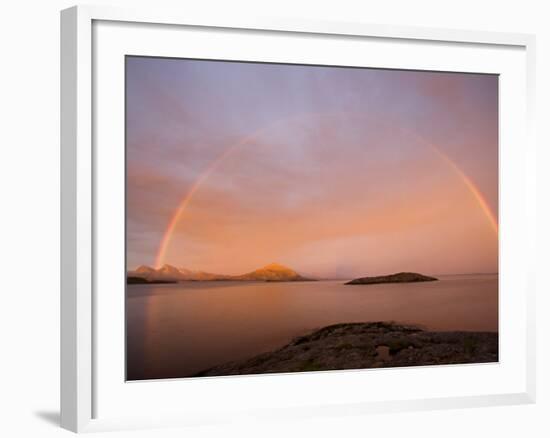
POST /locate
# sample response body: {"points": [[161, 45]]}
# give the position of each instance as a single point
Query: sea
{"points": [[178, 330]]}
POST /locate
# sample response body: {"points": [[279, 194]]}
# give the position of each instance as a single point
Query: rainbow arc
{"points": [[256, 135]]}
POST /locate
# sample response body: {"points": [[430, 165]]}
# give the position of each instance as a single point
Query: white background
{"points": [[118, 399], [29, 228]]}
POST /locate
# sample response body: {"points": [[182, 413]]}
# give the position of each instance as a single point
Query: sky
{"points": [[335, 172]]}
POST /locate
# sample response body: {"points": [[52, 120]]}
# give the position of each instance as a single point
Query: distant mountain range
{"points": [[169, 273]]}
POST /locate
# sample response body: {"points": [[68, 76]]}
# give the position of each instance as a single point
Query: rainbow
{"points": [[473, 190], [186, 200], [476, 193], [178, 213], [166, 237]]}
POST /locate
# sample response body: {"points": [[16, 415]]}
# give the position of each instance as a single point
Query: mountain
{"points": [[168, 272], [171, 273], [271, 272], [400, 277], [144, 270]]}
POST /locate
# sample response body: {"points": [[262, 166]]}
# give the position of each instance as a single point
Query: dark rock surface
{"points": [[401, 277], [368, 345], [140, 280]]}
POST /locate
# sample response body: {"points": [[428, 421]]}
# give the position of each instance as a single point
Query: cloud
{"points": [[319, 167]]}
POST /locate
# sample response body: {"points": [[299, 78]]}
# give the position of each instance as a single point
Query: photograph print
{"points": [[285, 218]]}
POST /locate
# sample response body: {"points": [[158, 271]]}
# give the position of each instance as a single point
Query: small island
{"points": [[400, 277]]}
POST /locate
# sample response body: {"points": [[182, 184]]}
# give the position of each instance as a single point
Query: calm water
{"points": [[175, 330]]}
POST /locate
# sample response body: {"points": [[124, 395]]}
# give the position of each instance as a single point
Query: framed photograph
{"points": [[258, 208]]}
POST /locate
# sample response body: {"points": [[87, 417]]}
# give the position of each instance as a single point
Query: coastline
{"points": [[286, 310], [367, 345]]}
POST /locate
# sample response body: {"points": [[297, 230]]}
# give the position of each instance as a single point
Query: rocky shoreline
{"points": [[367, 345]]}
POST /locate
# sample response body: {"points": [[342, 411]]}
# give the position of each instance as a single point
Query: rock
{"points": [[141, 280], [383, 352], [401, 277], [367, 345]]}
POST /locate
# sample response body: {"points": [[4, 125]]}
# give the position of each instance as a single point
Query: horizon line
{"points": [[312, 276]]}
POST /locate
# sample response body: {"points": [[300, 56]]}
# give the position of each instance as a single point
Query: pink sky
{"points": [[334, 172]]}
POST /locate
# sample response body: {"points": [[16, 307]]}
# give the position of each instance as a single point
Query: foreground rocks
{"points": [[401, 277], [368, 345]]}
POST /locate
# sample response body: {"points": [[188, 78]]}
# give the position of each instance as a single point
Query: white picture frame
{"points": [[82, 373]]}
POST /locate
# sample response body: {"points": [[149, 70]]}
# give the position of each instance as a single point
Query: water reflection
{"points": [[174, 330]]}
